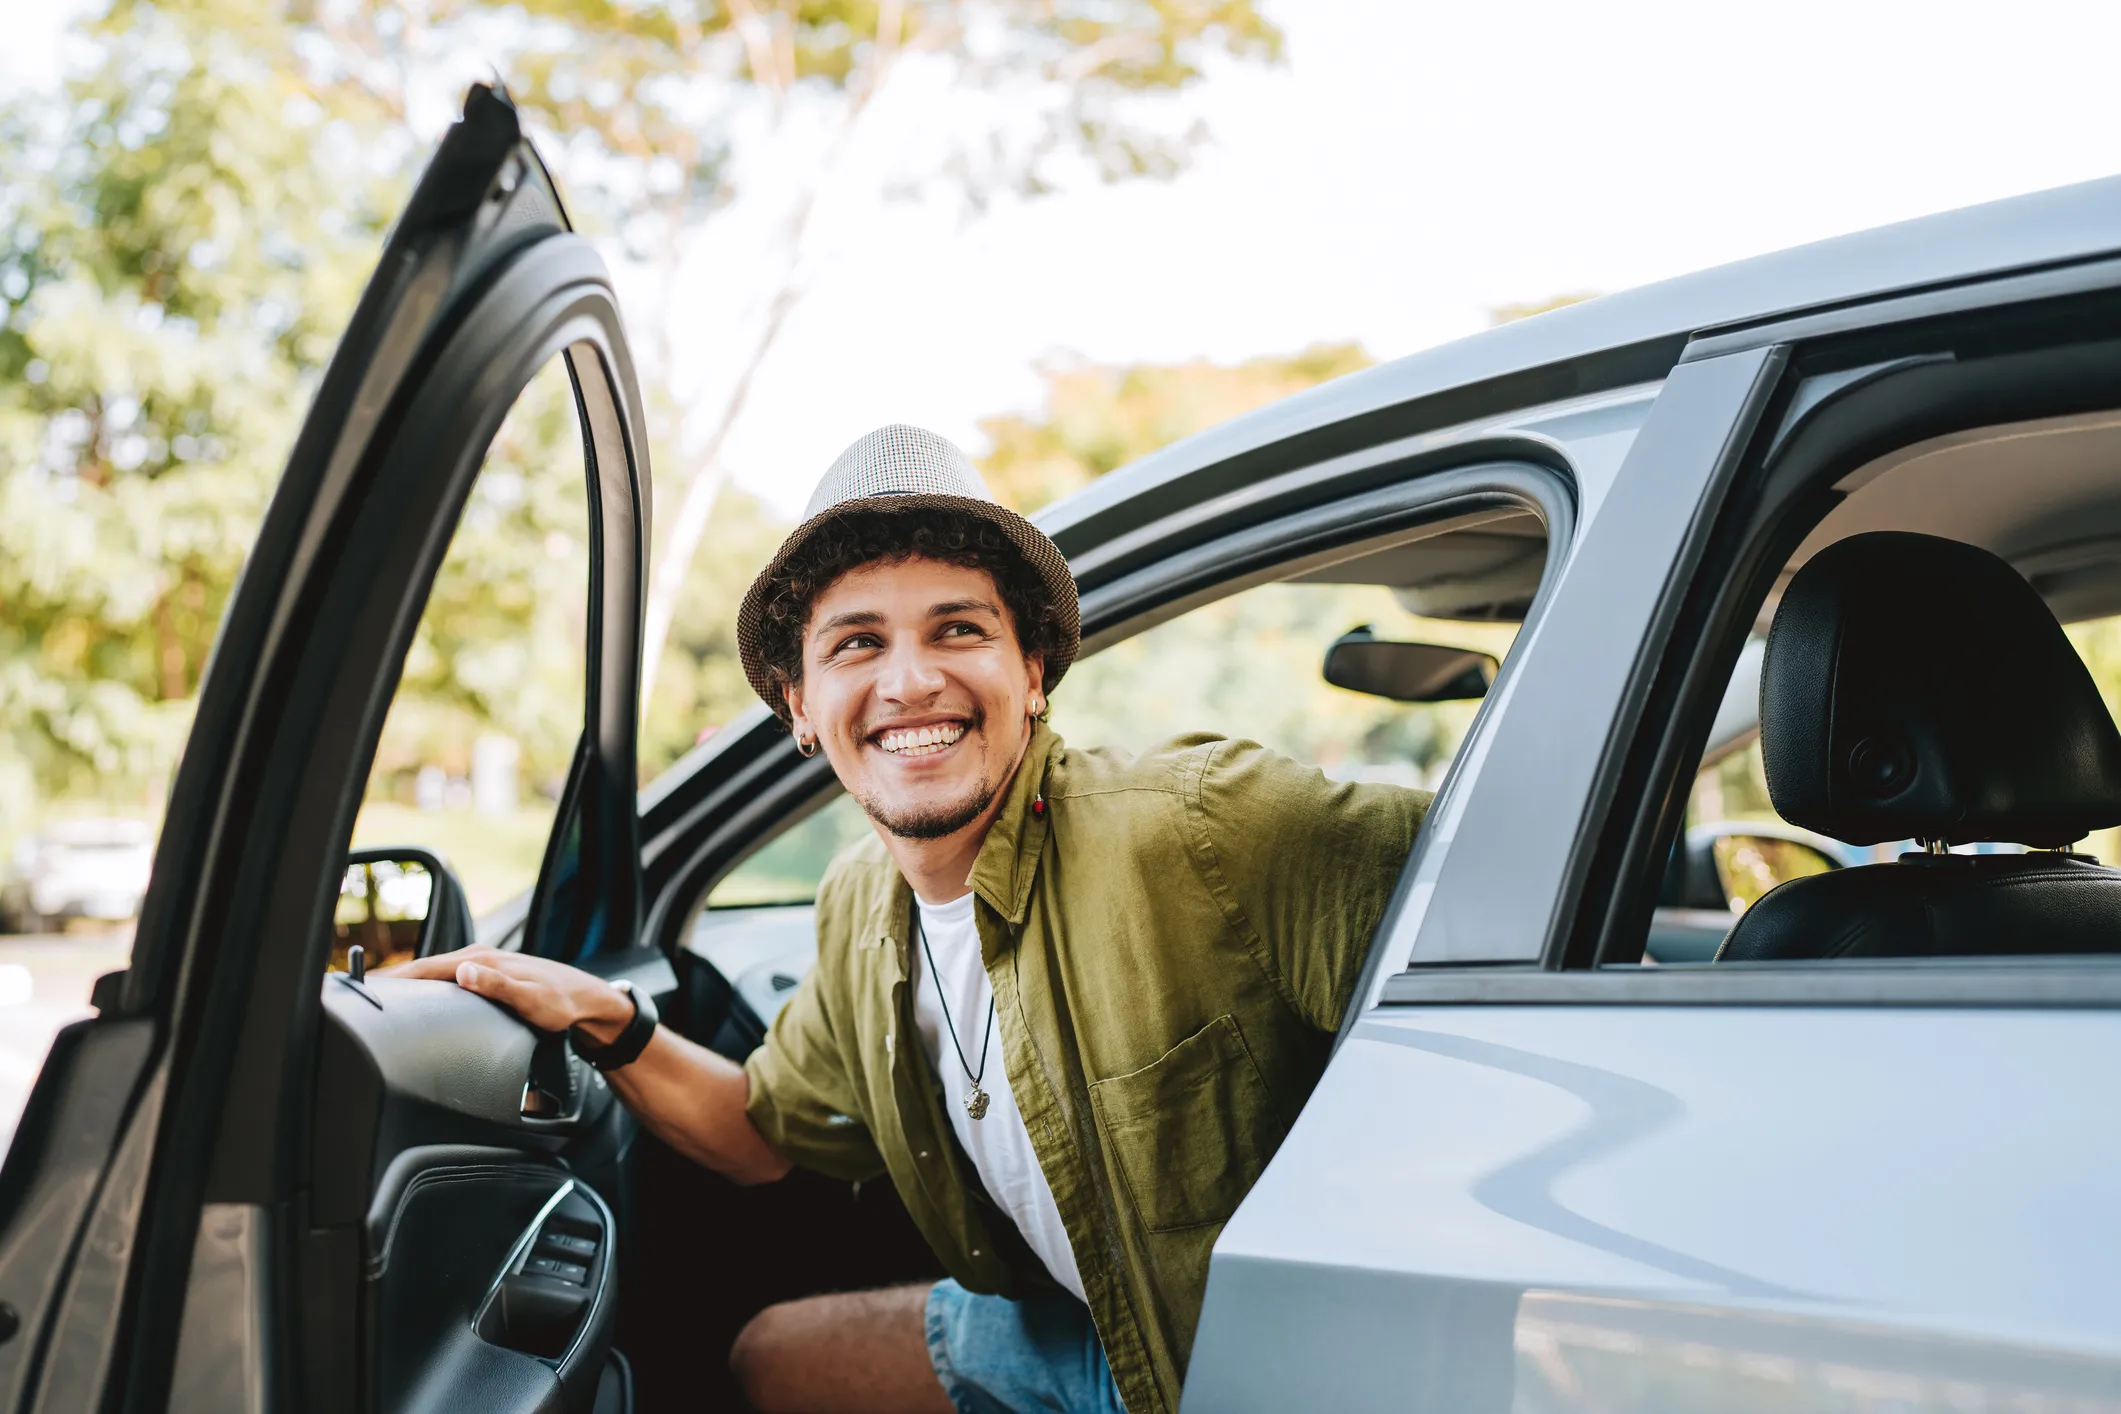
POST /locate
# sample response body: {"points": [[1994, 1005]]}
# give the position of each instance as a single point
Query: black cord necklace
{"points": [[976, 1102]]}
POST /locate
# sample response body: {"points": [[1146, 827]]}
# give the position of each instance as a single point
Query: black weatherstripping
{"points": [[479, 285]]}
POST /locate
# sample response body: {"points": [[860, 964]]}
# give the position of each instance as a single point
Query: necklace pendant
{"points": [[976, 1102]]}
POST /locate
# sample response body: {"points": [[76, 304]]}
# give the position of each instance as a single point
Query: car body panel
{"points": [[1554, 1185], [1812, 1203]]}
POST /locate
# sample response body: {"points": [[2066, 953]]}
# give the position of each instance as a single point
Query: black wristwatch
{"points": [[631, 1041]]}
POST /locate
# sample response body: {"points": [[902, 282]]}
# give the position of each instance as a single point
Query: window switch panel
{"points": [[553, 1267], [561, 1244]]}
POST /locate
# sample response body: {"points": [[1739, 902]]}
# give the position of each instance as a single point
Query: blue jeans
{"points": [[1035, 1356]]}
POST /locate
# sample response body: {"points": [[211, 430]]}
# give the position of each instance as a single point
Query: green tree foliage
{"points": [[702, 685], [184, 228], [1096, 419], [182, 234], [502, 645]]}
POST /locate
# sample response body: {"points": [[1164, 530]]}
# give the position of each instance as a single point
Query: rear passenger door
{"points": [[1541, 1174]]}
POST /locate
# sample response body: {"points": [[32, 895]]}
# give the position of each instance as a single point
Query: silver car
{"points": [[1846, 1150]]}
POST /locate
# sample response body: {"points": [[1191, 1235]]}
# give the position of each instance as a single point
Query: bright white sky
{"points": [[1410, 166]]}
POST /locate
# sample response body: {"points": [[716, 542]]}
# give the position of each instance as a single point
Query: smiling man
{"points": [[1069, 1001]]}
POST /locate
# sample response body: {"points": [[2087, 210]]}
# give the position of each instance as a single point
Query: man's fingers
{"points": [[432, 969], [525, 998], [487, 981], [440, 968]]}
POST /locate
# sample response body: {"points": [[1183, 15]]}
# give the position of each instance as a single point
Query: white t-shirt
{"points": [[998, 1144]]}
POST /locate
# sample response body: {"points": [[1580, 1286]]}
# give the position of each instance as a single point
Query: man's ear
{"points": [[798, 720], [1035, 669]]}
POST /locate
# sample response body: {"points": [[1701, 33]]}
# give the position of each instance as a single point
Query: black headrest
{"points": [[1917, 688]]}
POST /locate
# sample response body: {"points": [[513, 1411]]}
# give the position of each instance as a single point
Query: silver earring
{"points": [[807, 746]]}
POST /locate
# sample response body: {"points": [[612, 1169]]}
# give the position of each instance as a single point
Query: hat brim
{"points": [[1038, 550]]}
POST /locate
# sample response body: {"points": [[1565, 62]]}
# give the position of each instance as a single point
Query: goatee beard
{"points": [[934, 822]]}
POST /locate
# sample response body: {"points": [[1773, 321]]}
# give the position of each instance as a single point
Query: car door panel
{"points": [[205, 1155], [444, 1126], [448, 1339], [1742, 1209]]}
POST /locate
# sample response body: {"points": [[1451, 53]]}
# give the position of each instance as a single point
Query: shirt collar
{"points": [[1007, 863]]}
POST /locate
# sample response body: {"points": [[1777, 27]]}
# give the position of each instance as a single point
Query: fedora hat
{"points": [[901, 470]]}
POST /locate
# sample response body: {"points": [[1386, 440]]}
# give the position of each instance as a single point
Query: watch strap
{"points": [[626, 1048]]}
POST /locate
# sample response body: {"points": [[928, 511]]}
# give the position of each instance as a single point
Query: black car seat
{"points": [[1918, 688]]}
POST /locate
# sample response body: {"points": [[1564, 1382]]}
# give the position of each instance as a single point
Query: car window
{"points": [[1249, 665], [1738, 849], [474, 754]]}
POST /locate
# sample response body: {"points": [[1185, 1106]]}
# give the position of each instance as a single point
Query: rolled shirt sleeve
{"points": [[803, 1099]]}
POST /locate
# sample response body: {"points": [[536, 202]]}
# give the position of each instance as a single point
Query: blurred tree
{"points": [[702, 686], [648, 105], [1511, 313], [184, 228], [182, 234], [1097, 418], [502, 645]]}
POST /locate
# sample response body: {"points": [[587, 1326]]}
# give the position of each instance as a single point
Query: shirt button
{"points": [[975, 1251], [924, 1153]]}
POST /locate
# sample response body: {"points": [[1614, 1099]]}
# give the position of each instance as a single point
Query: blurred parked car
{"points": [[77, 869]]}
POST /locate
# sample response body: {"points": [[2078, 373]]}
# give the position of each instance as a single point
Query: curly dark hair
{"points": [[863, 537]]}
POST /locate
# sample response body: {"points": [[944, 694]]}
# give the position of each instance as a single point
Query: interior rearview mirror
{"points": [[397, 903], [1360, 661]]}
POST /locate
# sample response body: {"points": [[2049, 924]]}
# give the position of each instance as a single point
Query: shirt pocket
{"points": [[1192, 1130]]}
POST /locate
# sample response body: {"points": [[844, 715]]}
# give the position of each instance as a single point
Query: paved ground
{"points": [[44, 983]]}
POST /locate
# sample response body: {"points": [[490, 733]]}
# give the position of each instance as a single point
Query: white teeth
{"points": [[921, 741]]}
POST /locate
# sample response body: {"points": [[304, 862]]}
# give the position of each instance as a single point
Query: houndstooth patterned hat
{"points": [[906, 470]]}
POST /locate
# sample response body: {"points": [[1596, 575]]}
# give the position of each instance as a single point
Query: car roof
{"points": [[1637, 334]]}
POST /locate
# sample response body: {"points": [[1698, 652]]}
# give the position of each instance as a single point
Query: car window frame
{"points": [[1852, 389], [1396, 488]]}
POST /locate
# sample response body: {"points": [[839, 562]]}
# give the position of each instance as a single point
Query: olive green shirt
{"points": [[1172, 939]]}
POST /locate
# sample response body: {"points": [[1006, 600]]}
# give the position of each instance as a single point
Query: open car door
{"points": [[246, 1185]]}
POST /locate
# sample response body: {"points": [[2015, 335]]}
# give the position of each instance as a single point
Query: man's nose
{"points": [[911, 672]]}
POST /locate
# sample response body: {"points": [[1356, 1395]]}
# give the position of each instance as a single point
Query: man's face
{"points": [[917, 687]]}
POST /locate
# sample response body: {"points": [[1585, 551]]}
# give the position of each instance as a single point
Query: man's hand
{"points": [[686, 1093], [548, 995]]}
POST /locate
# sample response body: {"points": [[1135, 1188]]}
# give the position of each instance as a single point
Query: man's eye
{"points": [[858, 640], [961, 629]]}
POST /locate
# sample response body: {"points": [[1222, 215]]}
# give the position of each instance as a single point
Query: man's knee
{"points": [[761, 1355], [855, 1348]]}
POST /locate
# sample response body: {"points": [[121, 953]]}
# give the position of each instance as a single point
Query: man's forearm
{"points": [[693, 1100]]}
